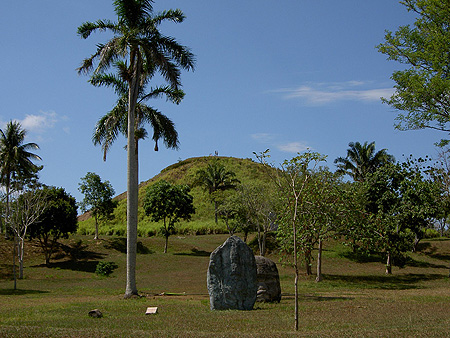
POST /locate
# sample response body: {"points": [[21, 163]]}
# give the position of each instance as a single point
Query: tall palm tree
{"points": [[144, 50], [362, 160], [215, 177], [16, 162]]}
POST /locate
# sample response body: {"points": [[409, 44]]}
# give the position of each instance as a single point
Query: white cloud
{"points": [[263, 137], [293, 147], [39, 123], [321, 93]]}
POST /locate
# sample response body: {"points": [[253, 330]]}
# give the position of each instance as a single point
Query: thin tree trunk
{"points": [[308, 262], [132, 181], [96, 227], [166, 244], [215, 210], [20, 247], [388, 264], [14, 262], [319, 262], [263, 243], [259, 240], [294, 228]]}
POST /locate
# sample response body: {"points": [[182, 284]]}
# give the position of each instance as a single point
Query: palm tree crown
{"points": [[215, 177], [362, 160], [115, 122], [15, 158]]}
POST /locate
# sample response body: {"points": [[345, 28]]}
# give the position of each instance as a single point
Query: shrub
{"points": [[431, 233], [105, 268]]}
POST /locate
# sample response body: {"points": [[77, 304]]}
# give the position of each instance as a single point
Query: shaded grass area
{"points": [[355, 299]]}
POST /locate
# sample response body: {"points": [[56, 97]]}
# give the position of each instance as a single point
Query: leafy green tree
{"points": [[441, 174], [325, 211], [422, 90], [16, 160], [58, 220], [169, 203], [97, 198], [138, 42], [260, 204], [400, 202], [215, 178], [362, 160], [291, 181]]}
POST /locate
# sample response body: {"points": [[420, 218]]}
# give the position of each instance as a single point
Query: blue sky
{"points": [[285, 75]]}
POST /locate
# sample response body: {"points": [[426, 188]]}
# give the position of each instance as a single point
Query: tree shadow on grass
{"points": [[6, 271], [195, 252], [20, 292], [120, 244], [315, 298], [422, 264], [85, 266], [78, 251], [385, 282], [359, 257]]}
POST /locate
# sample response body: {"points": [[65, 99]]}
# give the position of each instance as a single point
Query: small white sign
{"points": [[151, 310]]}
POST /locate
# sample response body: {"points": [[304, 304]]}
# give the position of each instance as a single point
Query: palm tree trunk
{"points": [[132, 181], [7, 205]]}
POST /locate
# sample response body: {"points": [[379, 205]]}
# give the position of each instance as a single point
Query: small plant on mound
{"points": [[105, 268]]}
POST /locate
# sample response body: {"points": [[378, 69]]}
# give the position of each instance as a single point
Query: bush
{"points": [[431, 233], [105, 268]]}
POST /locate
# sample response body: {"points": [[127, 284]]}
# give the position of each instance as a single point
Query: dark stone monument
{"points": [[269, 289], [231, 280]]}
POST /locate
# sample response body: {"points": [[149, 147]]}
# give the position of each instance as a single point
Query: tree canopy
{"points": [[169, 203], [97, 198], [422, 90], [58, 220], [362, 160]]}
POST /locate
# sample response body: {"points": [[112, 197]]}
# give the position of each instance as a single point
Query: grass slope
{"points": [[356, 299], [182, 172]]}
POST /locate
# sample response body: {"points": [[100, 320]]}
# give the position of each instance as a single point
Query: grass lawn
{"points": [[355, 299]]}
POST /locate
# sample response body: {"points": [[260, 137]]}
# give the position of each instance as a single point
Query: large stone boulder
{"points": [[231, 279], [269, 289]]}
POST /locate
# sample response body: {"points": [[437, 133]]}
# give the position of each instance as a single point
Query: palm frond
{"points": [[87, 28]]}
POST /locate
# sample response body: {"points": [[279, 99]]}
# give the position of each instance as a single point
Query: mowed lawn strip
{"points": [[356, 299]]}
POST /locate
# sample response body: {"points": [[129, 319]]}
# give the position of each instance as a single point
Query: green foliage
{"points": [[98, 197], [57, 221], [362, 160], [423, 88], [105, 268], [400, 201], [216, 178], [183, 172], [431, 233], [169, 203]]}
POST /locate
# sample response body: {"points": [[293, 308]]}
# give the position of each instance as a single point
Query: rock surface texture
{"points": [[269, 289], [232, 282]]}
